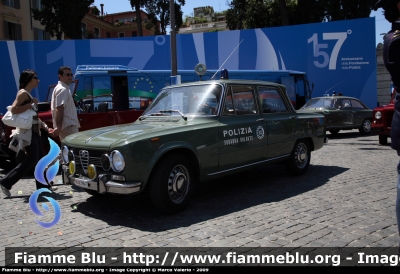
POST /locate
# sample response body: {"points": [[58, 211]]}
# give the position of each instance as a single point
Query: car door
{"points": [[340, 116], [241, 129], [280, 121], [359, 112]]}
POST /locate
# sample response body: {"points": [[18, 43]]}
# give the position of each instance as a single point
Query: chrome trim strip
{"points": [[118, 188], [248, 165], [110, 186], [119, 185], [90, 138]]}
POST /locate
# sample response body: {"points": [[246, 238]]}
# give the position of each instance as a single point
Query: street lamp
{"points": [[174, 70]]}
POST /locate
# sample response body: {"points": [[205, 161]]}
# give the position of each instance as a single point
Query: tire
{"points": [[365, 128], [334, 131], [299, 159], [92, 192], [171, 184], [7, 164], [383, 139]]}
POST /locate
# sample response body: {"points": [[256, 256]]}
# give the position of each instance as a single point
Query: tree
{"points": [[284, 15], [236, 14], [348, 9], [136, 5], [160, 9], [244, 14], [95, 11], [58, 16]]}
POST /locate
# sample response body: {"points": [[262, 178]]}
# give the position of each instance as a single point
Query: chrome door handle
{"points": [[260, 120], [292, 117]]}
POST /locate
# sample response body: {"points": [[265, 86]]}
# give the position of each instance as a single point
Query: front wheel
{"points": [[171, 184], [92, 192], [299, 159], [365, 127]]}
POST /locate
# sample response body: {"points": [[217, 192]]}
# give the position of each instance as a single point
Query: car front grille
{"points": [[389, 117], [84, 158]]}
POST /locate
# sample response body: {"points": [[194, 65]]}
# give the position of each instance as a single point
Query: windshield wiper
{"points": [[174, 110]]}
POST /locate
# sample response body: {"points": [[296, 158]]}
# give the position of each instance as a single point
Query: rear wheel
{"points": [[171, 184], [299, 159], [383, 139], [365, 127], [334, 131]]}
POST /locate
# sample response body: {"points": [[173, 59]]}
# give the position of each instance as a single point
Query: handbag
{"points": [[22, 120]]}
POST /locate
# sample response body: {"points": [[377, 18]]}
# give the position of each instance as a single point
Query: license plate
{"points": [[80, 182]]}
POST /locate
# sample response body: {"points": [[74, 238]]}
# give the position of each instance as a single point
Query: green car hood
{"points": [[113, 136]]}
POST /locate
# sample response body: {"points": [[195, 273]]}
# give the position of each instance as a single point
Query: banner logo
{"points": [[45, 174]]}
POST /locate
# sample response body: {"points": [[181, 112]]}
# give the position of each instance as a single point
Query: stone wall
{"points": [[382, 77]]}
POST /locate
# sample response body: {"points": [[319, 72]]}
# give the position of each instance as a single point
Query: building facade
{"points": [[115, 25], [17, 23], [382, 77], [204, 20]]}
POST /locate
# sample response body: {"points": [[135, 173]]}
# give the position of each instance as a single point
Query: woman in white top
{"points": [[28, 80]]}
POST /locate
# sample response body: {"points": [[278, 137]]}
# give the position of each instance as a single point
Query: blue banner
{"points": [[337, 56]]}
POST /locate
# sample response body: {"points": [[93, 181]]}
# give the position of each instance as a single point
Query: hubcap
{"points": [[178, 184], [301, 156], [367, 125]]}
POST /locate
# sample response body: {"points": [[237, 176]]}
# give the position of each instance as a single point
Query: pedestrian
{"points": [[391, 59], [30, 138], [63, 110]]}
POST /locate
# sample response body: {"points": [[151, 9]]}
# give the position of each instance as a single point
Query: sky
{"points": [[114, 6]]}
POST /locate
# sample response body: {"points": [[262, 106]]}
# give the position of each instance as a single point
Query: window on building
{"points": [[121, 34], [108, 35], [146, 20], [12, 31], [12, 3], [134, 33], [37, 4], [40, 34], [84, 30], [96, 32]]}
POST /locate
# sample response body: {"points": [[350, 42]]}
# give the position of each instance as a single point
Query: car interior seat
{"points": [[102, 107]]}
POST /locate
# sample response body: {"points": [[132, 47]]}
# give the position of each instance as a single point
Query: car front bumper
{"points": [[102, 184]]}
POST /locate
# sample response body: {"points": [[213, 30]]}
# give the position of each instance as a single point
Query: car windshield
{"points": [[327, 103], [186, 100]]}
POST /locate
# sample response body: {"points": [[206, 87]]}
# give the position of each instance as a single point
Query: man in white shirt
{"points": [[63, 110]]}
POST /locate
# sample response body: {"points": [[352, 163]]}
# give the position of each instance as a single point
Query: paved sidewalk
{"points": [[345, 199]]}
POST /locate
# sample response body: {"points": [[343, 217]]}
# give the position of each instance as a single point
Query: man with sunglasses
{"points": [[63, 110]]}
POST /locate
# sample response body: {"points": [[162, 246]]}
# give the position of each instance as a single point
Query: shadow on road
{"points": [[210, 200]]}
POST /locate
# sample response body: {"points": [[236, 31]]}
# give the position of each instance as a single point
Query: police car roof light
{"points": [[224, 74], [103, 68]]}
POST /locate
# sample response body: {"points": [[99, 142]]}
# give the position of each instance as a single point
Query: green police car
{"points": [[191, 133]]}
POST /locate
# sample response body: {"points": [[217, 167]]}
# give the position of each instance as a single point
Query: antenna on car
{"points": [[226, 60], [334, 86]]}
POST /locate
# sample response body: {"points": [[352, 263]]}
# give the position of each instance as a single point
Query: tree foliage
{"points": [[137, 5], [159, 9], [246, 14], [58, 16]]}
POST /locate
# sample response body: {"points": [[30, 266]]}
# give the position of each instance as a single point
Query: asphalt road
{"points": [[346, 199]]}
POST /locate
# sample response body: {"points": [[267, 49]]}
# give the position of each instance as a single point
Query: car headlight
{"points": [[65, 154], [117, 161], [378, 115]]}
